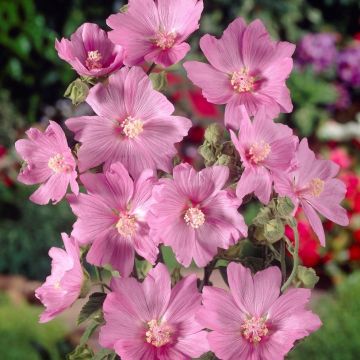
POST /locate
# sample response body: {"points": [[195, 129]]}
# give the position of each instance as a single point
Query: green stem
{"points": [[282, 260], [295, 255], [100, 279], [209, 268], [151, 68]]}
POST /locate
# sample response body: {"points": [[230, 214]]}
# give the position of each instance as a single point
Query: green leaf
{"points": [[93, 305], [88, 332], [104, 354]]}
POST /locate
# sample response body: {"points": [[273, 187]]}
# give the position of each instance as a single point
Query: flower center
{"points": [[132, 127], [242, 81], [58, 165], [316, 187], [126, 225], [165, 40], [93, 60], [254, 329], [194, 217], [158, 334], [259, 151]]}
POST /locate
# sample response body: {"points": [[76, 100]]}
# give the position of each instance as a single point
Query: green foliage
{"points": [[310, 94], [339, 336], [93, 307], [27, 231], [21, 337]]}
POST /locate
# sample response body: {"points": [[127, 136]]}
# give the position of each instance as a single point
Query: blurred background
{"points": [[325, 88]]}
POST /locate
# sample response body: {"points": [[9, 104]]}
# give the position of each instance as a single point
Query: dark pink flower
{"points": [[194, 216], [62, 288], [253, 321], [312, 185], [264, 147], [112, 218], [246, 68], [151, 321], [133, 125], [49, 162], [90, 52], [155, 31]]}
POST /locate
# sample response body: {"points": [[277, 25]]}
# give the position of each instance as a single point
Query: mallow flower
{"points": [[90, 52], [62, 288], [264, 147], [253, 321], [112, 217], [246, 68], [194, 215], [311, 184], [151, 321], [155, 30], [133, 124], [49, 162]]}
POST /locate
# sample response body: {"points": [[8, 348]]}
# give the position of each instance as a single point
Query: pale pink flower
{"points": [[151, 321], [90, 52], [253, 321], [155, 31], [48, 161], [264, 146], [133, 125], [246, 68], [112, 218], [62, 288], [311, 184], [194, 216]]}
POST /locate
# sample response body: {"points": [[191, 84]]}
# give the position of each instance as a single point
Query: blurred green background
{"points": [[326, 109]]}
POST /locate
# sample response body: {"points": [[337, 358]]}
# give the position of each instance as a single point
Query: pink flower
{"points": [[62, 288], [253, 321], [112, 217], [246, 68], [90, 52], [151, 321], [133, 125], [48, 161], [194, 215], [312, 185], [264, 147], [155, 31]]}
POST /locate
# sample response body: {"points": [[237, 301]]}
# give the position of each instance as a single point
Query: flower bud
{"points": [[274, 230], [306, 277], [284, 207], [158, 80], [214, 134], [77, 91]]}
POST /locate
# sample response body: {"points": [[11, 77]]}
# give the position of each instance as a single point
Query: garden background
{"points": [[324, 85]]}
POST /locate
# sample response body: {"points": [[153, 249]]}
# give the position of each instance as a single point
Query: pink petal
{"points": [[157, 290], [168, 57], [229, 44], [235, 115], [219, 311], [193, 345], [314, 221], [216, 86]]}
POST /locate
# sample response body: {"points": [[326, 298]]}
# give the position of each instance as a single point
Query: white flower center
{"points": [[132, 127], [254, 329], [194, 217], [165, 40], [126, 225], [316, 187], [158, 334], [241, 81], [93, 60], [58, 165], [259, 151]]}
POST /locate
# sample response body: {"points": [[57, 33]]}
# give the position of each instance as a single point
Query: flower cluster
{"points": [[135, 199]]}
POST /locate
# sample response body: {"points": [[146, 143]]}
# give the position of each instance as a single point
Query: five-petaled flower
{"points": [[48, 161], [253, 321], [246, 68], [90, 52], [112, 217], [311, 183], [155, 31], [194, 215], [151, 321]]}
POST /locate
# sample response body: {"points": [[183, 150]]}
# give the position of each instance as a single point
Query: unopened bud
{"points": [[213, 134], [285, 206], [274, 230], [158, 80], [306, 277], [77, 91]]}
